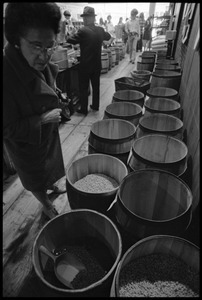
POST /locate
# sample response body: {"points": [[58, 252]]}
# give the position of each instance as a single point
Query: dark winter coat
{"points": [[90, 39], [35, 149]]}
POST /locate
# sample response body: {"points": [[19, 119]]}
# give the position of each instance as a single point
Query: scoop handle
{"points": [[44, 250]]}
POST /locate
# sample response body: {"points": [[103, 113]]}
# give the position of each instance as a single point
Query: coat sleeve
{"points": [[74, 38], [16, 127]]}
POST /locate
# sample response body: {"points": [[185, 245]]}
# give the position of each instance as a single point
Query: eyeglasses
{"points": [[38, 49]]}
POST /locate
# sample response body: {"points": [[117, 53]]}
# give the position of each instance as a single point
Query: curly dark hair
{"points": [[21, 16]]}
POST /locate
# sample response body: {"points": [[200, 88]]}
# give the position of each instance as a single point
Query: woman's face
{"points": [[34, 44]]}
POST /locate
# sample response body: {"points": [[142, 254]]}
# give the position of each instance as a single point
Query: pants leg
{"points": [[134, 48], [95, 82], [84, 80]]}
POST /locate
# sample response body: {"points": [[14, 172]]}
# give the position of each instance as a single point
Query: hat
{"points": [[67, 13], [88, 11], [134, 11]]}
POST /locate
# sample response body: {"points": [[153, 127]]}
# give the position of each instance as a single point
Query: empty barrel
{"points": [[162, 92], [162, 106], [129, 96], [104, 62], [164, 78]]}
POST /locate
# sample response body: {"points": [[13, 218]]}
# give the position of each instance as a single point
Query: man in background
{"points": [[90, 37]]}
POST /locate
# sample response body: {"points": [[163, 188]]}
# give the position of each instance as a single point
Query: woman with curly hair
{"points": [[31, 112]]}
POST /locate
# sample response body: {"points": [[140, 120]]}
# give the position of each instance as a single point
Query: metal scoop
{"points": [[66, 266]]}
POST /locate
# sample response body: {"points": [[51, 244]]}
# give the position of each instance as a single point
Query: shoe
{"points": [[57, 190], [93, 108], [50, 212], [81, 111], [133, 62]]}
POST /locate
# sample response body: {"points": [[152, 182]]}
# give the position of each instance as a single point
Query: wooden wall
{"points": [[189, 59]]}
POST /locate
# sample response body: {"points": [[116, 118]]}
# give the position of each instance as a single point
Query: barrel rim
{"points": [[94, 285], [154, 170], [110, 140], [142, 241], [131, 116], [154, 89], [130, 91], [166, 99], [166, 74], [160, 163], [160, 115], [89, 157]]}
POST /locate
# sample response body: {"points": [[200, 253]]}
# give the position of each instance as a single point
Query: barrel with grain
{"points": [[166, 67], [164, 78], [141, 74], [160, 124], [159, 151], [113, 137], [109, 57], [104, 62], [151, 202], [126, 111], [129, 96], [102, 164], [171, 246], [162, 106], [73, 228], [162, 92], [113, 53]]}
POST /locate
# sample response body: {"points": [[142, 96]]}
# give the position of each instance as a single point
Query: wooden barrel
{"points": [[113, 137], [153, 202], [146, 58], [160, 124], [78, 229], [109, 57], [104, 62], [167, 61], [124, 110], [149, 53], [161, 54], [158, 151], [167, 67], [141, 257], [162, 106], [113, 52], [117, 51], [142, 74], [162, 92], [129, 96], [128, 83], [102, 164], [145, 66], [120, 45], [165, 78]]}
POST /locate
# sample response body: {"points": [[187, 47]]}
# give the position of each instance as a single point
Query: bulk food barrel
{"points": [[149, 66], [113, 52], [158, 151], [167, 67], [149, 53], [146, 58], [167, 61], [151, 202], [158, 266], [162, 92], [93, 180], [163, 78], [160, 124], [109, 57], [142, 74], [93, 238], [104, 62], [126, 111], [129, 96], [127, 83], [117, 51], [162, 106], [113, 137]]}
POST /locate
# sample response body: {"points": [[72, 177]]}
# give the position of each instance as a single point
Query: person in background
{"points": [[132, 28], [102, 23], [65, 26], [142, 23], [31, 112], [110, 27], [119, 29], [90, 38], [147, 36]]}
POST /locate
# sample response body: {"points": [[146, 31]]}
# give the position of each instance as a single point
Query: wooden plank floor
{"points": [[22, 218]]}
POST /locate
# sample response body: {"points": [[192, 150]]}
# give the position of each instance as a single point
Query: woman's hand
{"points": [[51, 116]]}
